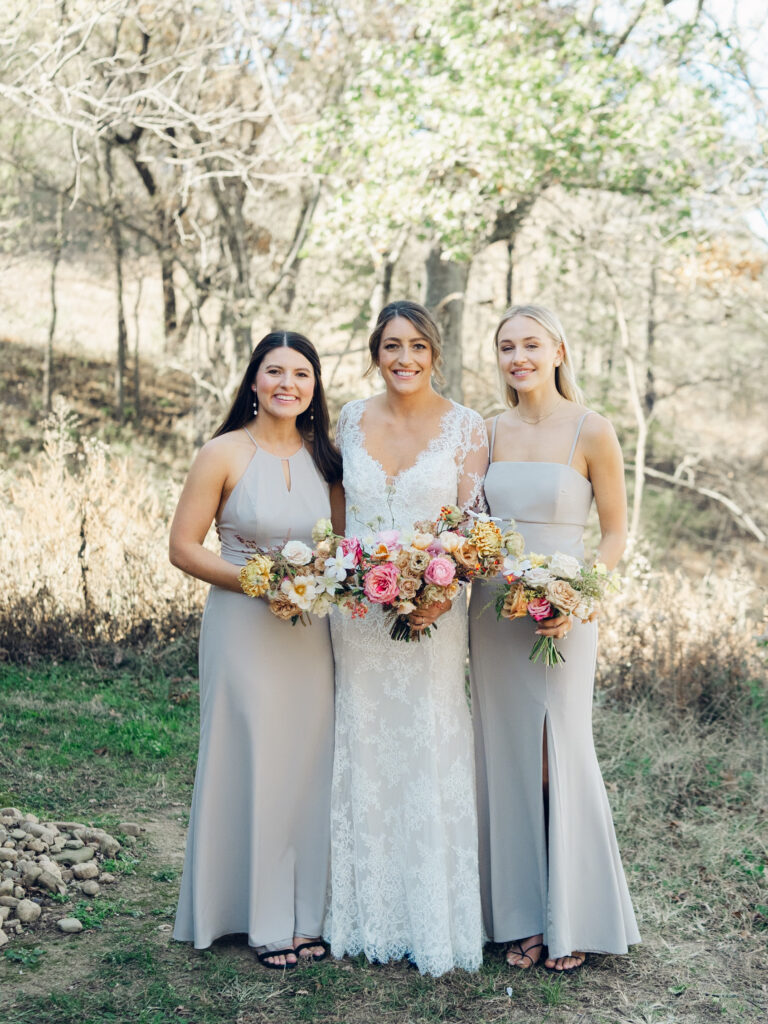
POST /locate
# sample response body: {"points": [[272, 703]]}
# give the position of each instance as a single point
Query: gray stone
{"points": [[48, 881], [9, 901], [31, 874], [130, 828], [4, 912], [3, 938], [66, 875], [89, 870], [107, 878], [78, 856], [18, 892], [37, 845], [90, 887], [131, 841], [10, 812], [70, 925], [7, 856], [108, 845], [74, 844], [6, 887], [68, 826], [28, 911], [31, 818]]}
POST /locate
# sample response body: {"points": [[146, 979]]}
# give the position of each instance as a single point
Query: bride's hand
{"points": [[556, 627], [423, 618]]}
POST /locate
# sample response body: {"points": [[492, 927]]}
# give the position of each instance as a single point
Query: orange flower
{"points": [[515, 604]]}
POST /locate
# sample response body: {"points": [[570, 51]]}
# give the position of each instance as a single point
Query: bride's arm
{"points": [[473, 467], [194, 514]]}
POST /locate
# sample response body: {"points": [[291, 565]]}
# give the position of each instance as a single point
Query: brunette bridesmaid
{"points": [[258, 845]]}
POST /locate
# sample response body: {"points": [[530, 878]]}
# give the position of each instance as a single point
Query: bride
{"points": [[404, 873]]}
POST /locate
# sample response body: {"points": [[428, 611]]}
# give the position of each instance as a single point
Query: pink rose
{"points": [[351, 546], [380, 583], [539, 608], [440, 571]]}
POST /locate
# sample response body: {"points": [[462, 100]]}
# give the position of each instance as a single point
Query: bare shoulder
{"points": [[598, 434]]}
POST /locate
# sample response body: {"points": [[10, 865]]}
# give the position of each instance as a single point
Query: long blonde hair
{"points": [[565, 379]]}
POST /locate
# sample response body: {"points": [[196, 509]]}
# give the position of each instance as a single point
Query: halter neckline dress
{"points": [[257, 858]]}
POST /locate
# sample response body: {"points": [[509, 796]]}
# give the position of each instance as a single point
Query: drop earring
{"points": [[255, 405]]}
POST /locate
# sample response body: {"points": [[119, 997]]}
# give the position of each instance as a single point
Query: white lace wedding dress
{"points": [[404, 870]]}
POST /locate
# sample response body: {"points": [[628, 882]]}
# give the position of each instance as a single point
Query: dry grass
{"points": [[85, 551]]}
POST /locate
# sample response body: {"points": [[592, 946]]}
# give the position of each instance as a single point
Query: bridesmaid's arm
{"points": [[194, 514], [605, 465], [338, 508]]}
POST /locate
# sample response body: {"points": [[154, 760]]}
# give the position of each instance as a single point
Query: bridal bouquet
{"points": [[296, 579], [403, 571], [544, 586]]}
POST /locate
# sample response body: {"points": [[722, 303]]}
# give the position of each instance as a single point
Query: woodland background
{"points": [[178, 177]]}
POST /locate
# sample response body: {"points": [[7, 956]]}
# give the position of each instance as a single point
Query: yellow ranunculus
{"points": [[254, 575]]}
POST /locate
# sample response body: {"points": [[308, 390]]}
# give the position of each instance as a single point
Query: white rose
{"points": [[450, 541], [296, 552], [322, 605], [583, 610], [565, 566], [537, 577]]}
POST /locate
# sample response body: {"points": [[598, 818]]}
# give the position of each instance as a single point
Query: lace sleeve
{"points": [[473, 463], [341, 426]]}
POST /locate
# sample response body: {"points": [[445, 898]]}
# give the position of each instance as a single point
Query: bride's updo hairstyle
{"points": [[565, 379], [314, 424], [424, 323]]}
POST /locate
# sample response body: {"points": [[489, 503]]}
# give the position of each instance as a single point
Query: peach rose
{"points": [[515, 604], [562, 596], [421, 541], [466, 556]]}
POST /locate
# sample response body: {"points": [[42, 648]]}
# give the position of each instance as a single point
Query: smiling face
{"points": [[527, 354], [404, 357], [284, 383]]}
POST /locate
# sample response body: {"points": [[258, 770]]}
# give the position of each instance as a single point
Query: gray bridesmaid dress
{"points": [[572, 889], [257, 858]]}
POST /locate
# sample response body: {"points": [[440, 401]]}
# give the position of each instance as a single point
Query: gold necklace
{"points": [[532, 423]]}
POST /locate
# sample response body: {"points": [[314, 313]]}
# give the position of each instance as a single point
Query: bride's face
{"points": [[404, 357]]}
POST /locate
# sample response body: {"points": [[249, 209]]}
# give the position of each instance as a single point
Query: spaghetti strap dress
{"points": [[257, 857], [564, 880]]}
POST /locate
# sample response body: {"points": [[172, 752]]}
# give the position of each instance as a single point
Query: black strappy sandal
{"points": [[524, 953], [265, 956]]}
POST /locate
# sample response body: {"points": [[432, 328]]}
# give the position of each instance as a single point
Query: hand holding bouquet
{"points": [[545, 586], [296, 579]]}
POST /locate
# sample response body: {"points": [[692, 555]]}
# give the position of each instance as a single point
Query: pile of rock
{"points": [[38, 859]]}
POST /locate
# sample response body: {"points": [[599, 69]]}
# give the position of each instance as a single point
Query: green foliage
{"points": [[27, 956], [467, 112]]}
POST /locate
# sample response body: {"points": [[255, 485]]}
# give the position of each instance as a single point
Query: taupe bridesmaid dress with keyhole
{"points": [[258, 844], [573, 890]]}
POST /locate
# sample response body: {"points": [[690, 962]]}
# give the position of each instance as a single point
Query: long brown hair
{"points": [[421, 319], [314, 424]]}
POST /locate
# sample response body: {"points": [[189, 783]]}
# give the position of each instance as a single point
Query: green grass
{"points": [[97, 735], [89, 741]]}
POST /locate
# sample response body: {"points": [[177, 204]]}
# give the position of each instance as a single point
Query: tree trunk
{"points": [[446, 285], [58, 245], [117, 252]]}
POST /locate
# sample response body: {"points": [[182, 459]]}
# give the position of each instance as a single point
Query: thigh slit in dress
{"points": [[565, 878]]}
